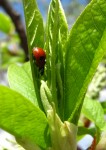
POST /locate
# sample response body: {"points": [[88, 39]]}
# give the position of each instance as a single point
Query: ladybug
{"points": [[40, 56]]}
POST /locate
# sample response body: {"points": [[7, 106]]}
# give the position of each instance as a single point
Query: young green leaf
{"points": [[60, 52], [35, 36], [63, 26], [57, 27], [85, 48], [34, 24], [94, 112], [51, 45], [21, 118], [20, 80]]}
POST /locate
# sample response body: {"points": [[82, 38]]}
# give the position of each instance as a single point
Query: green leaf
{"points": [[51, 45], [63, 26], [94, 112], [57, 28], [85, 48], [35, 36], [21, 118], [34, 24], [60, 52], [56, 37], [20, 80], [6, 24]]}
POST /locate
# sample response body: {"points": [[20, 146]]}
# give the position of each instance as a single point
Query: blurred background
{"points": [[13, 49]]}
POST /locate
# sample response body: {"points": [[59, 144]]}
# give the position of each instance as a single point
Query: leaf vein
{"points": [[87, 56], [95, 24], [34, 35], [31, 18], [89, 35], [101, 10]]}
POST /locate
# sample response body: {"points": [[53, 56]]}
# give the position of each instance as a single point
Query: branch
{"points": [[15, 17]]}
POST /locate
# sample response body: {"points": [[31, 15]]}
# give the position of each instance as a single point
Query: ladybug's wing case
{"points": [[40, 56]]}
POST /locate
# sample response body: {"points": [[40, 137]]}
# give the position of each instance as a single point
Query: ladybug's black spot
{"points": [[42, 58]]}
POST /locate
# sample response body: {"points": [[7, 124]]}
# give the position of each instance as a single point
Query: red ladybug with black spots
{"points": [[40, 57]]}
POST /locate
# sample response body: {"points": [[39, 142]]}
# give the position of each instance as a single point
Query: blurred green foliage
{"points": [[6, 25], [10, 51]]}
